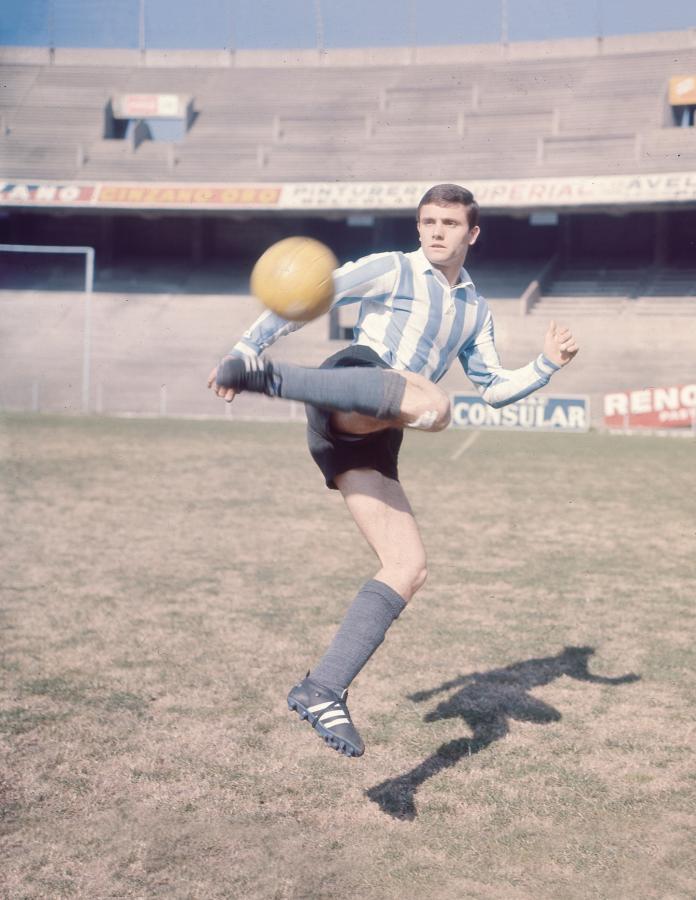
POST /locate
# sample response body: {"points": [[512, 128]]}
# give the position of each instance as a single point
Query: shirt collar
{"points": [[424, 265]]}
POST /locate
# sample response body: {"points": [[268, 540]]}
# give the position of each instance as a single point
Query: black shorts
{"points": [[335, 453]]}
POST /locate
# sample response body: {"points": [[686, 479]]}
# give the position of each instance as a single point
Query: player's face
{"points": [[445, 235]]}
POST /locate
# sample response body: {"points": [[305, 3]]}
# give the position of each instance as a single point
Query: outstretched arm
{"points": [[372, 277], [499, 386], [265, 331]]}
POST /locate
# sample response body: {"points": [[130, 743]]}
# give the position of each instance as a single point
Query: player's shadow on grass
{"points": [[486, 701]]}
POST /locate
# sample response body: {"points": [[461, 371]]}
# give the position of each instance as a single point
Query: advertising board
{"points": [[540, 412], [661, 407]]}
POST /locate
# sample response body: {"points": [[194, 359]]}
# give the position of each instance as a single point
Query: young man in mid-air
{"points": [[419, 312]]}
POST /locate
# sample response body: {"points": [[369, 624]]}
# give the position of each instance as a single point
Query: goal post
{"points": [[88, 253]]}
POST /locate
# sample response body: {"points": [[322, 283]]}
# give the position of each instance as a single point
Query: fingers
{"points": [[566, 344], [560, 343], [562, 335], [224, 393], [227, 394]]}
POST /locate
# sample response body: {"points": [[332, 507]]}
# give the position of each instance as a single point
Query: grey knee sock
{"points": [[361, 632], [368, 390]]}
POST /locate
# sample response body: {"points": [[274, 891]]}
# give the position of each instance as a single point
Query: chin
{"points": [[437, 256]]}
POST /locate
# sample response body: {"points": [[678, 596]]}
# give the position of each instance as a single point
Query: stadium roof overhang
{"points": [[561, 194]]}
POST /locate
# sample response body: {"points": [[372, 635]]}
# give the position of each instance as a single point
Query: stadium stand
{"points": [[162, 322], [520, 117]]}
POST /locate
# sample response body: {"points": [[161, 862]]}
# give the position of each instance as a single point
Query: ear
{"points": [[473, 235], [418, 226]]}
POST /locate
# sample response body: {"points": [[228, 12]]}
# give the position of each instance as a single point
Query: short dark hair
{"points": [[452, 193]]}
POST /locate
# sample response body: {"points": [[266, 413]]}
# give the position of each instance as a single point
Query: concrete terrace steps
{"points": [[564, 306], [674, 281], [599, 279], [15, 84], [664, 306], [515, 118]]}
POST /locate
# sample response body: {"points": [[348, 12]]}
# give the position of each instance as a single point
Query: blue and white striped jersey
{"points": [[415, 321]]}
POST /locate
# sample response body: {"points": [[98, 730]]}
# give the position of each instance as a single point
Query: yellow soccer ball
{"points": [[294, 278]]}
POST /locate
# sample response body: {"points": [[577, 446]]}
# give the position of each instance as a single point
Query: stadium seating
{"points": [[511, 118], [599, 289]]}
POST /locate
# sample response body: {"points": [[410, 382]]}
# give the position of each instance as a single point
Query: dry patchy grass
{"points": [[529, 721]]}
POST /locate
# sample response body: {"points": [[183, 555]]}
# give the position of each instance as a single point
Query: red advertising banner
{"points": [[46, 194], [664, 407], [145, 196]]}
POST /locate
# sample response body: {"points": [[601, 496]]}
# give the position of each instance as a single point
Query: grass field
{"points": [[529, 721]]}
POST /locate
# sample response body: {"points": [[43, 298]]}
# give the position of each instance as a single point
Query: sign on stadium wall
{"points": [[682, 90], [142, 196], [540, 412], [523, 193], [140, 106], [664, 407]]}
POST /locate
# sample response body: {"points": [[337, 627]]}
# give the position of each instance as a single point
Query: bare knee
{"points": [[419, 579], [433, 414], [425, 406], [405, 580], [442, 413]]}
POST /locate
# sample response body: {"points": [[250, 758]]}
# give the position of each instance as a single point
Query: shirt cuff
{"points": [[544, 365], [243, 349]]}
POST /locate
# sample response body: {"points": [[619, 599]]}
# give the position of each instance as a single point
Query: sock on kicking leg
{"points": [[362, 631], [368, 390]]}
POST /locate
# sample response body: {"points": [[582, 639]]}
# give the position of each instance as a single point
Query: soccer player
{"points": [[419, 312]]}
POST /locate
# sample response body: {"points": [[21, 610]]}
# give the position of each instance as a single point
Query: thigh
{"points": [[383, 514], [424, 406], [336, 450], [358, 423]]}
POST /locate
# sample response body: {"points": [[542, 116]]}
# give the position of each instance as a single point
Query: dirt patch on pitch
{"points": [[528, 720]]}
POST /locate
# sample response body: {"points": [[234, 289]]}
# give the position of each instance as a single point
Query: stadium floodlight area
{"points": [[88, 253]]}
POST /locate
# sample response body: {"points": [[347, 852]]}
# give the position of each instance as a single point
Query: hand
{"points": [[559, 344], [227, 394]]}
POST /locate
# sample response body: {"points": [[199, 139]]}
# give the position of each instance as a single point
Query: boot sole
{"points": [[331, 740]]}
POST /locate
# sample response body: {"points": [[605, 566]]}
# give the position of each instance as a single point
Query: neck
{"points": [[451, 272]]}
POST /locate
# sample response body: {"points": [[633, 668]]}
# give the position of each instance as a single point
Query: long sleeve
{"points": [[499, 386], [372, 277]]}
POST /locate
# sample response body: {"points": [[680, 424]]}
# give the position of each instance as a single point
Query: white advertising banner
{"points": [[524, 193], [388, 196], [540, 412]]}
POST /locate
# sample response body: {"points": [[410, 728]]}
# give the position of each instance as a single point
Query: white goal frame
{"points": [[88, 253]]}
